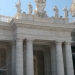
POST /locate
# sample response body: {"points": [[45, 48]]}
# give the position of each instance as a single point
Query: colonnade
{"points": [[29, 58]]}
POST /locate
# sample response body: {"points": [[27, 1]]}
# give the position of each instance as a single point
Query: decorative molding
{"points": [[44, 25]]}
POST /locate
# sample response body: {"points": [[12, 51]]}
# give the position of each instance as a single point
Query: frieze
{"points": [[38, 32], [5, 28], [57, 28]]}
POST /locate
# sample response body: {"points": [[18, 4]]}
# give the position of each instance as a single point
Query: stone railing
{"points": [[31, 17], [5, 18]]}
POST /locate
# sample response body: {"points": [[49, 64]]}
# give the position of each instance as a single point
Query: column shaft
{"points": [[19, 57], [69, 62], [53, 57], [59, 59], [13, 58], [29, 58]]}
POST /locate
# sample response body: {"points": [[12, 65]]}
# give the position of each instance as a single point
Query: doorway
{"points": [[38, 62]]}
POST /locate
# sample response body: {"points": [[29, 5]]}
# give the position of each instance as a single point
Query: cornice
{"points": [[42, 25], [4, 23], [5, 26], [35, 25]]}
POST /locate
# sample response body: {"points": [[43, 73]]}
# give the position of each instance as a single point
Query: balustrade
{"points": [[5, 18]]}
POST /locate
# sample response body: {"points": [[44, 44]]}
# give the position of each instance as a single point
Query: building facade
{"points": [[35, 44]]}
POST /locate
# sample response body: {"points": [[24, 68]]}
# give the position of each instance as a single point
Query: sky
{"points": [[7, 7]]}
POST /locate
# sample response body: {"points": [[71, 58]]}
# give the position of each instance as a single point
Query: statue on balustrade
{"points": [[65, 12], [56, 15], [40, 6], [18, 5], [30, 8]]}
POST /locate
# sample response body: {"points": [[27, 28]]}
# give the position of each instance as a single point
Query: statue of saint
{"points": [[56, 11], [18, 5], [30, 8], [65, 12]]}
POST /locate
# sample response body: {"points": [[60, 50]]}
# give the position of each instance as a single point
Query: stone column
{"points": [[68, 59], [53, 58], [13, 58], [59, 59], [29, 57], [19, 57]]}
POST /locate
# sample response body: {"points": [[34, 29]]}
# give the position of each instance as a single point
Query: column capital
{"points": [[59, 42], [29, 39], [19, 39], [68, 42]]}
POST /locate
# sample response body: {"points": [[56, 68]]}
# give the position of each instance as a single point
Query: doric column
{"points": [[13, 57], [29, 57], [53, 58], [59, 59], [19, 57], [68, 59]]}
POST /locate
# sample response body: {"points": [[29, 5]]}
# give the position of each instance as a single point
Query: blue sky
{"points": [[7, 7]]}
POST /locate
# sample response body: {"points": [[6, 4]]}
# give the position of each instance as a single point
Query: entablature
{"points": [[42, 25]]}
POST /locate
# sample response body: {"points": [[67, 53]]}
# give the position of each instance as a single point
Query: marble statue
{"points": [[65, 12], [18, 5], [40, 6], [30, 8], [56, 11]]}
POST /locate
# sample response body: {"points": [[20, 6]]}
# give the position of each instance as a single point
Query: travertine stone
{"points": [[13, 58], [18, 6], [30, 8], [43, 29], [19, 57], [65, 12], [68, 57], [29, 57], [53, 59], [59, 59], [55, 9], [40, 6]]}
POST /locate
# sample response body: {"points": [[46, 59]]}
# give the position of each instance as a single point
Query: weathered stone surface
{"points": [[41, 30]]}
